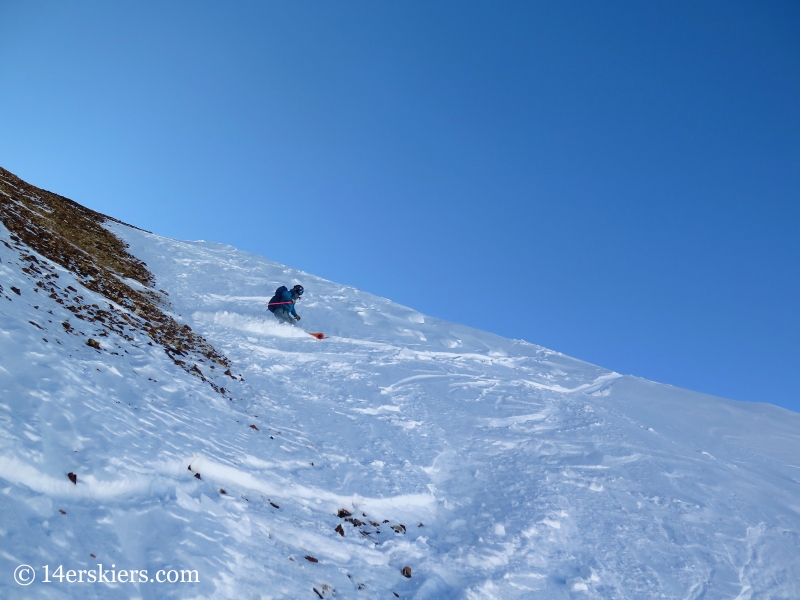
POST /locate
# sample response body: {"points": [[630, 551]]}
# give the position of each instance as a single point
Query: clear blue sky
{"points": [[619, 181]]}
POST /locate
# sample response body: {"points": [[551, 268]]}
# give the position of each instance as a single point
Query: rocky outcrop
{"points": [[75, 238]]}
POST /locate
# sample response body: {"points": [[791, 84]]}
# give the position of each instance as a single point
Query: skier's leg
{"points": [[283, 315]]}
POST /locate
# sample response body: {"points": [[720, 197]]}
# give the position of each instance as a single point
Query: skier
{"points": [[282, 303]]}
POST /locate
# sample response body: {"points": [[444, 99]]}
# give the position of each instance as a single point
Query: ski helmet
{"points": [[298, 289]]}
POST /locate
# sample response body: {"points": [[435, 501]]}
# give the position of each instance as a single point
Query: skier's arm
{"points": [[289, 297]]}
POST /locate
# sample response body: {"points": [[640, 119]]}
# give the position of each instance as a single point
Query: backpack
{"points": [[276, 300]]}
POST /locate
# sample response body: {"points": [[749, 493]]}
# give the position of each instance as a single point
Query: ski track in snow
{"points": [[517, 472]]}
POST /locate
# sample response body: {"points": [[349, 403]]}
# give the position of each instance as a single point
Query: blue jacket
{"points": [[288, 296]]}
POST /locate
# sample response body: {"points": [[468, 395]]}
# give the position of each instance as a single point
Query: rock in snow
{"points": [[536, 475]]}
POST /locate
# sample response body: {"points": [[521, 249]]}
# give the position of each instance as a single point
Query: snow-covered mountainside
{"points": [[491, 468]]}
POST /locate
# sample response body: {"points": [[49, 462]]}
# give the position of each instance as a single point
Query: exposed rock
{"points": [[74, 237]]}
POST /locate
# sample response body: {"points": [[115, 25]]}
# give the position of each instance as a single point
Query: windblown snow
{"points": [[492, 468]]}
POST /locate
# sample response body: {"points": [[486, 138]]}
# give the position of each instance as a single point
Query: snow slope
{"points": [[515, 472]]}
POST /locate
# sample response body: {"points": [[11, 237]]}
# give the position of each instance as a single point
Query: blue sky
{"points": [[616, 181]]}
